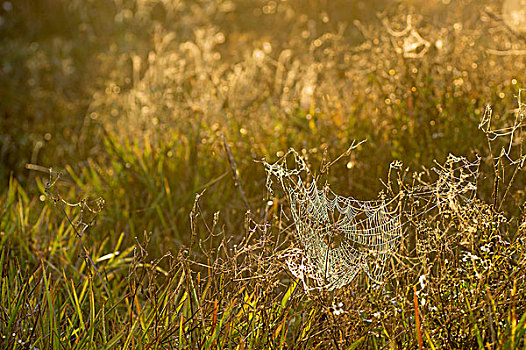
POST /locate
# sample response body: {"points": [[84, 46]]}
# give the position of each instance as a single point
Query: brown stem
{"points": [[233, 167]]}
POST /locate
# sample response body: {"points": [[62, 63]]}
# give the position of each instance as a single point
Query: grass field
{"points": [[134, 207]]}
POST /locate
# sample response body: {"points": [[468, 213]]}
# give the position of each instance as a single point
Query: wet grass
{"points": [[154, 227]]}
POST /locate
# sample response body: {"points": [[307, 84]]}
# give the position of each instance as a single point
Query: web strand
{"points": [[341, 237]]}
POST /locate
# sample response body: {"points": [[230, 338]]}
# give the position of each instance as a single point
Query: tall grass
{"points": [[153, 229]]}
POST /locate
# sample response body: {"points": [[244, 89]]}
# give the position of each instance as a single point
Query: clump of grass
{"points": [[94, 294], [458, 284], [146, 103]]}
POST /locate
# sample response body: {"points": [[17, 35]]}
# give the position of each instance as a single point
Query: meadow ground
{"points": [[134, 207]]}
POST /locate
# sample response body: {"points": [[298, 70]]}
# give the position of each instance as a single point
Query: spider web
{"points": [[342, 236]]}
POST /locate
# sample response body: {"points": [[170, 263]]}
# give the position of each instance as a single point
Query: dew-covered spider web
{"points": [[340, 237]]}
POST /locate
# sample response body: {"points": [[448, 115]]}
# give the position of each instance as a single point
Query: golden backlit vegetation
{"points": [[134, 211]]}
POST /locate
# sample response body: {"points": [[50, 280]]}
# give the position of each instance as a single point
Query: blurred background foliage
{"points": [[139, 92]]}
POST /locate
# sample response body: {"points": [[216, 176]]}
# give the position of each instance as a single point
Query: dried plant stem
{"points": [[233, 166]]}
